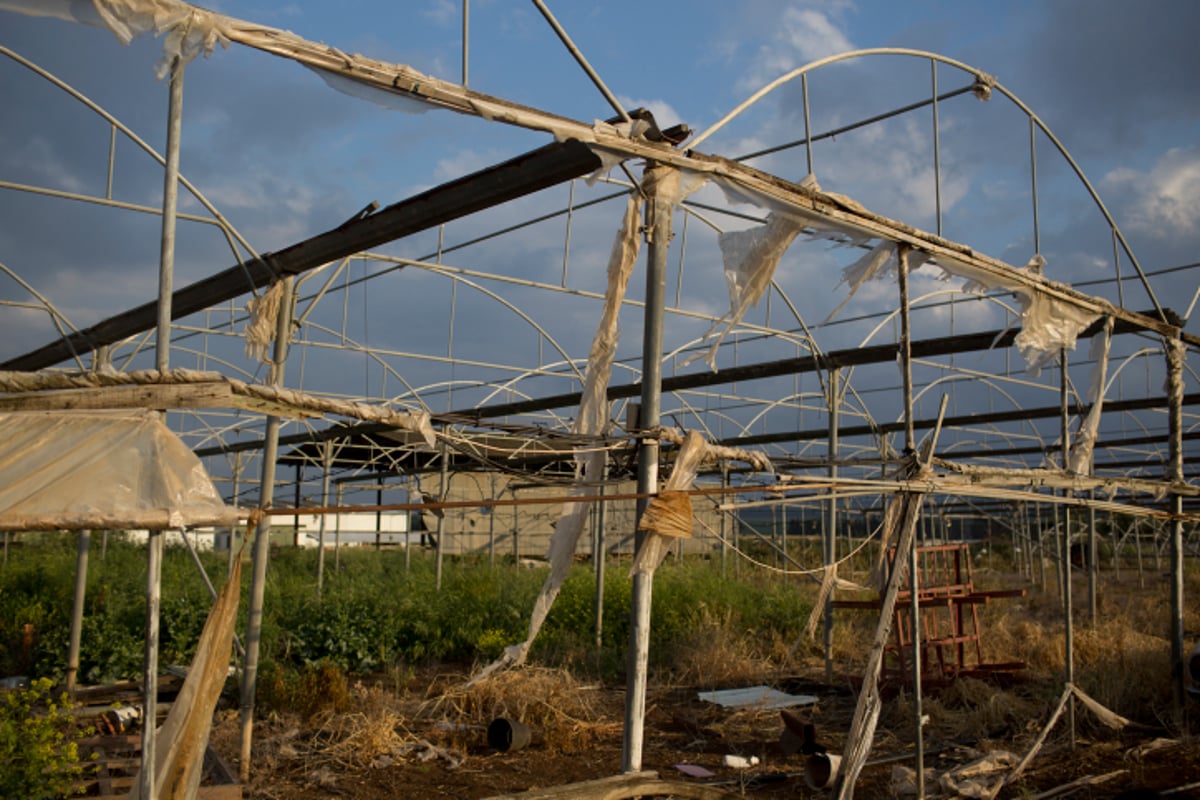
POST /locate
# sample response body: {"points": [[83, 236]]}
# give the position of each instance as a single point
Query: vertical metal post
{"points": [[910, 446], [658, 235], [81, 570], [937, 149], [1037, 233], [154, 554], [807, 123], [1093, 563], [237, 478], [724, 517], [830, 537], [492, 525], [326, 468], [1041, 546], [166, 266], [162, 359], [262, 538], [910, 439], [296, 505], [1175, 351], [444, 492], [337, 533], [378, 518], [466, 29], [1065, 555], [598, 558]]}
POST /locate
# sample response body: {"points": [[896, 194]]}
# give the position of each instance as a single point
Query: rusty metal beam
{"points": [[528, 173]]}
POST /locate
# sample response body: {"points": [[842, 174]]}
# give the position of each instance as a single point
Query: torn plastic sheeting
{"points": [[973, 779], [71, 467], [183, 738], [372, 94], [591, 420], [751, 256], [1048, 324], [189, 30], [880, 262], [763, 697], [683, 474], [1080, 459]]}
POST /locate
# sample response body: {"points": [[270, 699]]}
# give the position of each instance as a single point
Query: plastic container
{"points": [[507, 735], [821, 770]]}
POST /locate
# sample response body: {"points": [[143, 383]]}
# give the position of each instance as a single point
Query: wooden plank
{"points": [[622, 787], [231, 792], [214, 394]]}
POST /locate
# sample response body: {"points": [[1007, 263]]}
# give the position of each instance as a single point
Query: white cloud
{"points": [[1165, 201], [463, 163], [891, 171], [801, 34], [664, 114], [443, 12], [39, 156]]}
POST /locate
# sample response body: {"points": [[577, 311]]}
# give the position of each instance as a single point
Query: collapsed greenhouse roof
{"points": [[1051, 316], [796, 411]]}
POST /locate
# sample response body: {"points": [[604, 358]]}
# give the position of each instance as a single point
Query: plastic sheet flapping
{"points": [[750, 257], [1080, 458], [1048, 324], [183, 738], [591, 420], [187, 31], [683, 474], [82, 469]]}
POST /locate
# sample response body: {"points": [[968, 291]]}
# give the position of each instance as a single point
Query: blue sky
{"points": [[284, 157]]}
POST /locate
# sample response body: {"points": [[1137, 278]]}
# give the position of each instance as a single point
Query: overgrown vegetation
{"points": [[38, 752], [382, 614], [379, 612]]}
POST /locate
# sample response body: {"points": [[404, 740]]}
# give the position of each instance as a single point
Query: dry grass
{"points": [[719, 654], [564, 714], [373, 729]]}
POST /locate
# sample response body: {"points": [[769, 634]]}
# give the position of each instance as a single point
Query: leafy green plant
{"points": [[38, 754]]}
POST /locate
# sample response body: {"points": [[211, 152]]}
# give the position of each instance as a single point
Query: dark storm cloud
{"points": [[1113, 74]]}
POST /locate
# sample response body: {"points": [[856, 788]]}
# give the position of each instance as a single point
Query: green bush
{"points": [[38, 756], [378, 611]]}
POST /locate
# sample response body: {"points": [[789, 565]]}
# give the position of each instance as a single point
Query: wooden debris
{"points": [[1078, 783], [622, 787]]}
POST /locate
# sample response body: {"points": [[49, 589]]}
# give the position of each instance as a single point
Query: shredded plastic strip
{"points": [[591, 420], [1080, 457], [183, 738], [415, 421]]}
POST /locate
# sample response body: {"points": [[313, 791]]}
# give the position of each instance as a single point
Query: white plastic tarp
{"points": [[95, 469]]}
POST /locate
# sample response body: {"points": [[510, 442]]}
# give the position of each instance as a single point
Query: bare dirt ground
{"points": [[428, 740]]}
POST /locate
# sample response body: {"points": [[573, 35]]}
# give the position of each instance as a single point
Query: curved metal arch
{"points": [[1125, 362], [369, 353], [547, 371], [210, 357], [981, 77], [986, 382], [218, 217], [56, 317], [513, 308], [955, 291]]}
